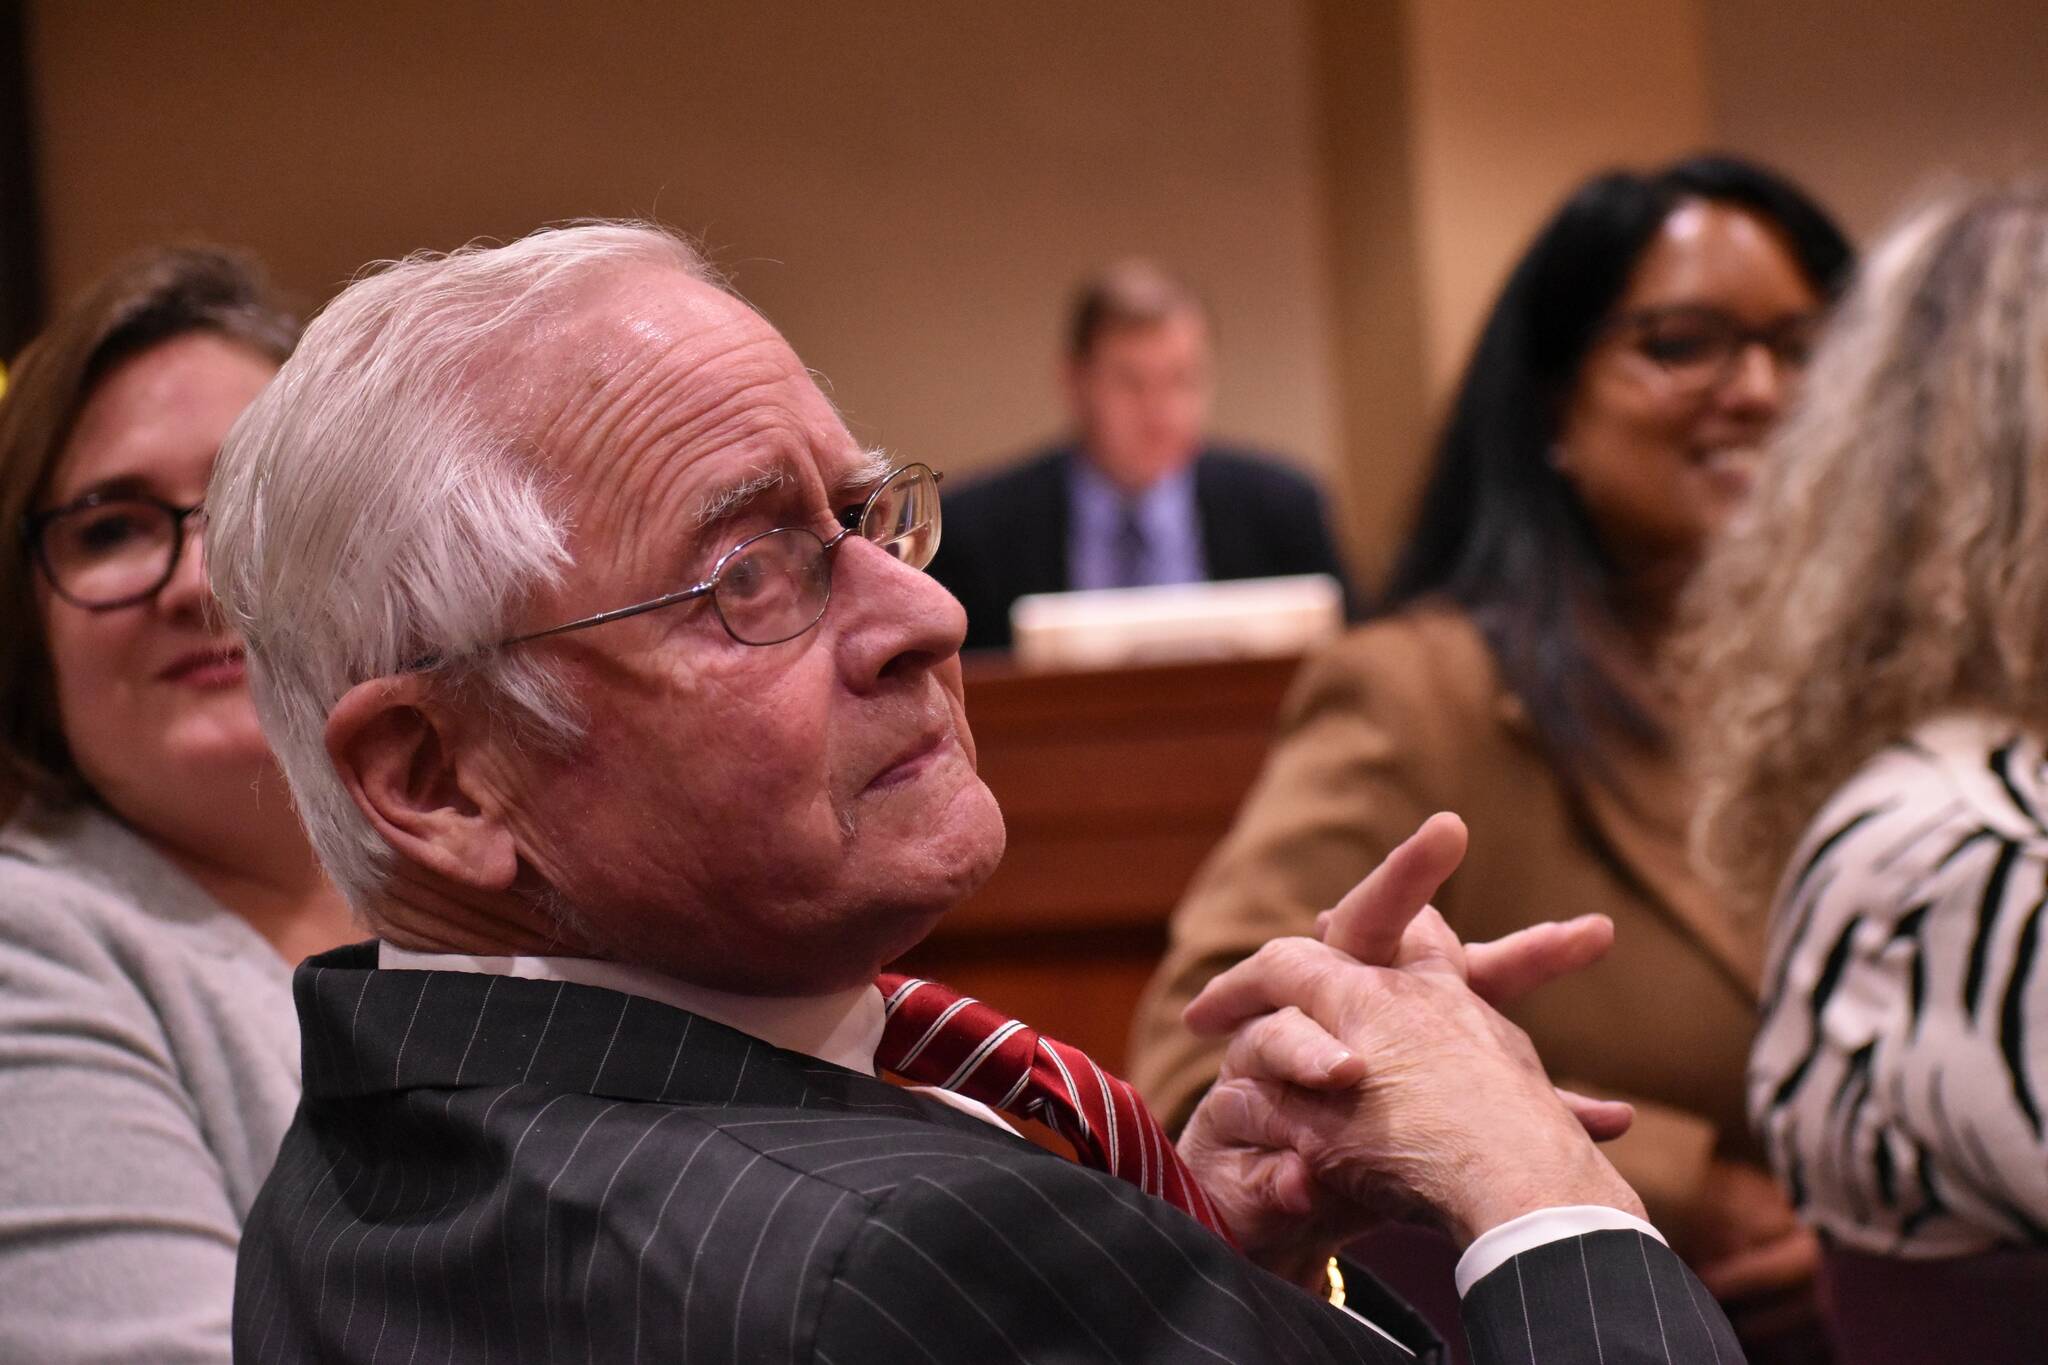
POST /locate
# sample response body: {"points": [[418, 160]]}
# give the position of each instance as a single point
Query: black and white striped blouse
{"points": [[1901, 1070]]}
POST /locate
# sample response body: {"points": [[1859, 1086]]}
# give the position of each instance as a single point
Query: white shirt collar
{"points": [[844, 1028]]}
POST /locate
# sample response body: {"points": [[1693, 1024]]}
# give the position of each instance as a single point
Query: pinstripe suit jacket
{"points": [[490, 1168]]}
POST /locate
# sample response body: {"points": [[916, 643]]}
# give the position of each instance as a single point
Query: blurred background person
{"points": [[1871, 695], [1606, 426], [1138, 494], [155, 886]]}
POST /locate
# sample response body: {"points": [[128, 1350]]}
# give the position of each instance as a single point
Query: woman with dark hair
{"points": [[1606, 427], [155, 886]]}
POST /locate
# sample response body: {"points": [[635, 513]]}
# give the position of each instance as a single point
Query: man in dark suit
{"points": [[1138, 495], [605, 677]]}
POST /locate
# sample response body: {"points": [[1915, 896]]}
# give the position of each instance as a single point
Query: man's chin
{"points": [[945, 863], [963, 849]]}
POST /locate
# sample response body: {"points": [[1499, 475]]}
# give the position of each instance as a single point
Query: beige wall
{"points": [[1375, 276], [1452, 128], [908, 189], [1868, 101], [1514, 103]]}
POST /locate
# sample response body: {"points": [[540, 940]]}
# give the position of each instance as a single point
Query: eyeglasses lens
{"points": [[904, 516], [775, 586], [1700, 352], [110, 553]]}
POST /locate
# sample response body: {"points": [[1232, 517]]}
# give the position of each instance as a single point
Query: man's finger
{"points": [[1244, 1114], [1277, 1183], [1508, 968], [1429, 945], [1369, 921], [1603, 1120], [1322, 982], [1290, 1048]]}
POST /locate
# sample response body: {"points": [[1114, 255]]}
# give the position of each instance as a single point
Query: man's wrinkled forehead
{"points": [[650, 327], [657, 309], [653, 368]]}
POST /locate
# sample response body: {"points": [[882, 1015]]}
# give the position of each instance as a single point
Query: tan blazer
{"points": [[1408, 716]]}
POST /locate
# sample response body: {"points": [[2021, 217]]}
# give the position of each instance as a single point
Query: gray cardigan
{"points": [[149, 1064]]}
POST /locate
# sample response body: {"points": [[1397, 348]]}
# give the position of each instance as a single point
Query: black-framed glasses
{"points": [[108, 550], [775, 586], [1699, 348]]}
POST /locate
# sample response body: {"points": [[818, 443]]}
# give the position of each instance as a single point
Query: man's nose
{"points": [[894, 619]]}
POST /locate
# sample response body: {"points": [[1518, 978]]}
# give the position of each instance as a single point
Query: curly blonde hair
{"points": [[1894, 561]]}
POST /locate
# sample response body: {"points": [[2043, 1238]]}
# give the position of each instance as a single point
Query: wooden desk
{"points": [[1114, 786]]}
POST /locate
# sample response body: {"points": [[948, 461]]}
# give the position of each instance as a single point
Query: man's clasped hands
{"points": [[1371, 1077]]}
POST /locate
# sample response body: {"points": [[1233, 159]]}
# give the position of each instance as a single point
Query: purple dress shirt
{"points": [[1119, 541]]}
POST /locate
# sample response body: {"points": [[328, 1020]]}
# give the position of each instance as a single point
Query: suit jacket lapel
{"points": [[367, 1031], [1639, 826], [1225, 554], [1644, 823], [1045, 503]]}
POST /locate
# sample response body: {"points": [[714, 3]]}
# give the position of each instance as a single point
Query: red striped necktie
{"points": [[936, 1036]]}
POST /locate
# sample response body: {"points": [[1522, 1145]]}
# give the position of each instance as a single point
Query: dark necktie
{"points": [[936, 1036], [1128, 550]]}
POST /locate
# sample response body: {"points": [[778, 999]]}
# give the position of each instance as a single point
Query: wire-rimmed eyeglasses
{"points": [[775, 586], [108, 550]]}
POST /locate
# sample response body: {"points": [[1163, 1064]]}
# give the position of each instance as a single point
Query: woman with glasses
{"points": [[155, 887], [1607, 425], [1869, 683]]}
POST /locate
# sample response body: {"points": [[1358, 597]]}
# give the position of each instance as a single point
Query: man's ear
{"points": [[402, 756]]}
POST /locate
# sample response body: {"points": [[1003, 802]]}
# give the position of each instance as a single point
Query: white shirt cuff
{"points": [[1495, 1247]]}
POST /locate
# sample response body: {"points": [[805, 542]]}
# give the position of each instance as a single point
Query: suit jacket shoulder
{"points": [[1232, 468], [1427, 673], [1005, 535], [1262, 518]]}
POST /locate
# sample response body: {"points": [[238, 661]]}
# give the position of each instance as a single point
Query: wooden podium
{"points": [[1114, 786]]}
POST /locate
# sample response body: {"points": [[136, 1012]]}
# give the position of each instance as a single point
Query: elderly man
{"points": [[610, 688]]}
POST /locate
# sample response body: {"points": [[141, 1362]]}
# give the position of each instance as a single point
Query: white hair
{"points": [[372, 510]]}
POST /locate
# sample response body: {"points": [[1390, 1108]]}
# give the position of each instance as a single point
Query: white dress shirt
{"points": [[845, 1029]]}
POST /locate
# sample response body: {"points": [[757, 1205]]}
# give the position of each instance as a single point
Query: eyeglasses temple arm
{"points": [[619, 614]]}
